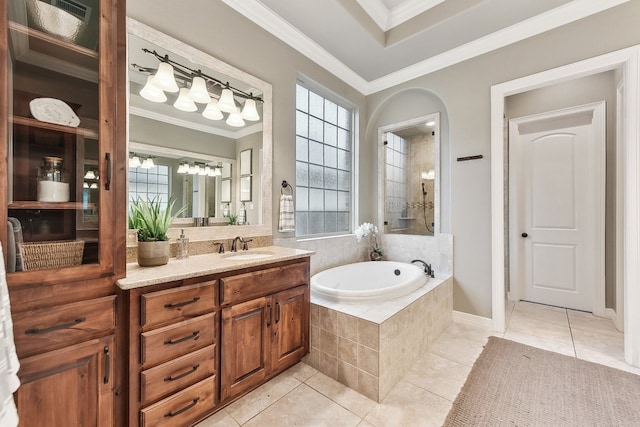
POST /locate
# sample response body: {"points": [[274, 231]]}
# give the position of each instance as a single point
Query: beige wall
{"points": [[460, 92], [465, 90]]}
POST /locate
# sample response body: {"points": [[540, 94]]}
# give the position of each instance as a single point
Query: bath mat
{"points": [[512, 384]]}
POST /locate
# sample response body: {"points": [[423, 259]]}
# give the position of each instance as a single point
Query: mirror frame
{"points": [[382, 172], [196, 56]]}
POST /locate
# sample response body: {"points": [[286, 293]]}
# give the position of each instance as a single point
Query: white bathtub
{"points": [[367, 281]]}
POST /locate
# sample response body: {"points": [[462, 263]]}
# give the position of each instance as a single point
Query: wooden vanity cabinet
{"points": [[265, 326], [197, 344]]}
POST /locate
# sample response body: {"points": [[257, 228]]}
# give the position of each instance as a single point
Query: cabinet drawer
{"points": [[244, 287], [45, 329], [177, 374], [178, 303], [183, 408], [163, 344]]}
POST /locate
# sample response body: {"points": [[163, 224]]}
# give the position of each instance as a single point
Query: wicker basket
{"points": [[55, 254]]}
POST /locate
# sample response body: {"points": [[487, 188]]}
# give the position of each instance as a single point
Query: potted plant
{"points": [[371, 231], [152, 223]]}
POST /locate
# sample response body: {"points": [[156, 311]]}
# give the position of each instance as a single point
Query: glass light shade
{"points": [[147, 163], [217, 172], [198, 91], [226, 103], [184, 101], [183, 168], [164, 78], [93, 186], [212, 112], [249, 111], [203, 170], [134, 162], [151, 92], [90, 175], [235, 120], [193, 170], [85, 185], [430, 174]]}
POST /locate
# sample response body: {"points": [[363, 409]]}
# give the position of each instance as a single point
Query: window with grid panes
{"points": [[150, 183], [323, 165]]}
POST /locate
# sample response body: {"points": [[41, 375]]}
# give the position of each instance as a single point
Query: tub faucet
{"points": [[234, 244], [427, 267]]}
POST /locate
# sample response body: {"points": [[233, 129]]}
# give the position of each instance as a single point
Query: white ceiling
{"points": [[376, 44]]}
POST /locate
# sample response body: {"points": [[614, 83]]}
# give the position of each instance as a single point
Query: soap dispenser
{"points": [[183, 246], [242, 217]]}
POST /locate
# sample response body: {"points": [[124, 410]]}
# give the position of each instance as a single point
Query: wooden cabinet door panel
{"points": [[163, 344], [159, 382], [177, 304], [245, 342], [290, 331], [72, 386]]}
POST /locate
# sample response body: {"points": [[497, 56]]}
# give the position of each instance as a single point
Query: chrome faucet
{"points": [[234, 244], [427, 267]]}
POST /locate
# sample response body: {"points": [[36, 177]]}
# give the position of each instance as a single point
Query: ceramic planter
{"points": [[151, 254]]}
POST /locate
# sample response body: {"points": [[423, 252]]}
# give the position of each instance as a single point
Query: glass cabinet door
{"points": [[57, 177]]}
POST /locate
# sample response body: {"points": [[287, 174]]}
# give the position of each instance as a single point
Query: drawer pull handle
{"points": [[186, 408], [107, 365], [182, 375], [35, 331], [182, 304], [185, 338], [277, 311], [107, 184]]}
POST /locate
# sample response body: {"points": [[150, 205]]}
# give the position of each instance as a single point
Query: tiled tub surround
{"points": [[339, 250], [370, 347]]}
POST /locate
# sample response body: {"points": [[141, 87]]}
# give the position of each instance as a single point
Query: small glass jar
{"points": [[53, 182]]}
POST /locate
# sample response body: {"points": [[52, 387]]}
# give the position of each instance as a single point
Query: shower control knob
{"points": [[524, 235]]}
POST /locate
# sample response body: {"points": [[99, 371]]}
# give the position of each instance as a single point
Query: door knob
{"points": [[524, 235]]}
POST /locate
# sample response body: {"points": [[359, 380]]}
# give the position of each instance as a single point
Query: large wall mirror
{"points": [[409, 166], [191, 155]]}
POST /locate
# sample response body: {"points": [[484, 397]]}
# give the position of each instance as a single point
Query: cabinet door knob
{"points": [[524, 235]]}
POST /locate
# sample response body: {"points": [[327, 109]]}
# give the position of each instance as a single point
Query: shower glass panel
{"points": [[410, 171]]}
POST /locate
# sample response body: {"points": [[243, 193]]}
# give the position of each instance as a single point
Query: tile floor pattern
{"points": [[302, 396]]}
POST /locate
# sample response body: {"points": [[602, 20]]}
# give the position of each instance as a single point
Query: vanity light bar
{"points": [[200, 169], [163, 79]]}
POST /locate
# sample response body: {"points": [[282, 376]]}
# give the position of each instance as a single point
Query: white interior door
{"points": [[557, 174]]}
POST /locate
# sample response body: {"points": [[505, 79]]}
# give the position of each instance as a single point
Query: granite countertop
{"points": [[201, 265]]}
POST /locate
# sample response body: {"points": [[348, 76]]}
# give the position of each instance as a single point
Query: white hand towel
{"points": [[286, 221], [9, 363]]}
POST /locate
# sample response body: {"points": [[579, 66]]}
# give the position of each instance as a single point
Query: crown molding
{"points": [[270, 21], [562, 15], [538, 24], [409, 9], [377, 11]]}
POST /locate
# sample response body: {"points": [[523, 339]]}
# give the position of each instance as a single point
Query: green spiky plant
{"points": [[151, 221]]}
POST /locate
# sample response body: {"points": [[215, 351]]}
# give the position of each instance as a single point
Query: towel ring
{"points": [[286, 185]]}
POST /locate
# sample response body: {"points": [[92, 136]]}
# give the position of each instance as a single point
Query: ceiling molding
{"points": [[377, 11], [408, 10], [240, 133], [562, 15], [546, 21], [270, 21]]}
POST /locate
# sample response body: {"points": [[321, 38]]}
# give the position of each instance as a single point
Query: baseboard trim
{"points": [[613, 315], [472, 320]]}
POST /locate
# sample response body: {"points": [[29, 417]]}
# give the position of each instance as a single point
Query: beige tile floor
{"points": [[302, 396]]}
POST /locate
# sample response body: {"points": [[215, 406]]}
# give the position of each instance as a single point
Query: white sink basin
{"points": [[246, 256]]}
